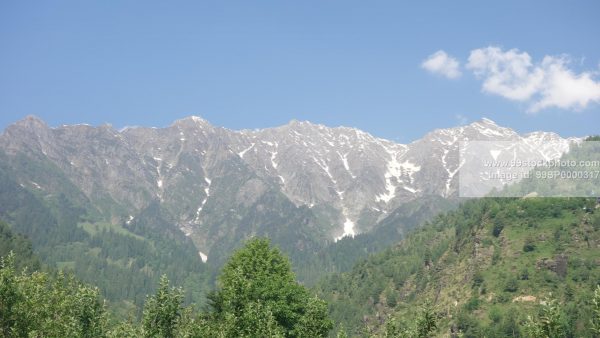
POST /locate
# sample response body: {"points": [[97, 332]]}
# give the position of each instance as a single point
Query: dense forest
{"points": [[124, 260]]}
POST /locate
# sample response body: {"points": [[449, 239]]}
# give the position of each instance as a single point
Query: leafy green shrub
{"points": [[503, 298], [472, 304], [468, 325], [497, 229], [390, 298], [512, 285], [524, 275], [495, 315], [477, 279], [529, 245], [496, 255]]}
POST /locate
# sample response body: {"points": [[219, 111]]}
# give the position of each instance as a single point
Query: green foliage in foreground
{"points": [[258, 297], [549, 323], [38, 306], [258, 285]]}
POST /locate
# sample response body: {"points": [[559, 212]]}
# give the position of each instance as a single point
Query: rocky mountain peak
{"points": [[347, 177], [191, 119], [191, 122], [296, 123], [31, 135], [31, 122]]}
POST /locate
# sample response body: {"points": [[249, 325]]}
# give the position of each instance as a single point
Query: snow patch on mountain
{"points": [[321, 163], [348, 230], [241, 153], [207, 194], [273, 156], [394, 173], [344, 159]]}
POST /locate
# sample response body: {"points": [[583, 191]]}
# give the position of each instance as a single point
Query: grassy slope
{"points": [[479, 283]]}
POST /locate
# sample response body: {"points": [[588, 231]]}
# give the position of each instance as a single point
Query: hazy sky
{"points": [[394, 69]]}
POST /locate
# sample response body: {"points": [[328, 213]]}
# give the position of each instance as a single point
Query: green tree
{"points": [[21, 247], [257, 289], [162, 311], [314, 322], [36, 305], [595, 321], [511, 285], [426, 322], [9, 297], [424, 325]]}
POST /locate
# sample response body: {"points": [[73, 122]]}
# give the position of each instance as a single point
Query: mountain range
{"points": [[214, 183]]}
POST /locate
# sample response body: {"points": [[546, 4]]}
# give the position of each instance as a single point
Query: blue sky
{"points": [[255, 64]]}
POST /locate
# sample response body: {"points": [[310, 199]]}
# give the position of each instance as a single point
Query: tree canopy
{"points": [[257, 285]]}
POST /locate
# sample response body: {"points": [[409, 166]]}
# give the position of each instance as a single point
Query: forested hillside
{"points": [[124, 261], [342, 255], [483, 268], [20, 246]]}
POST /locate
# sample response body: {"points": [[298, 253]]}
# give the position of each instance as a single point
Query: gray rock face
{"points": [[203, 175]]}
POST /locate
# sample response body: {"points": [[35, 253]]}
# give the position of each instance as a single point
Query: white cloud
{"points": [[505, 73], [442, 64], [550, 83], [565, 89]]}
